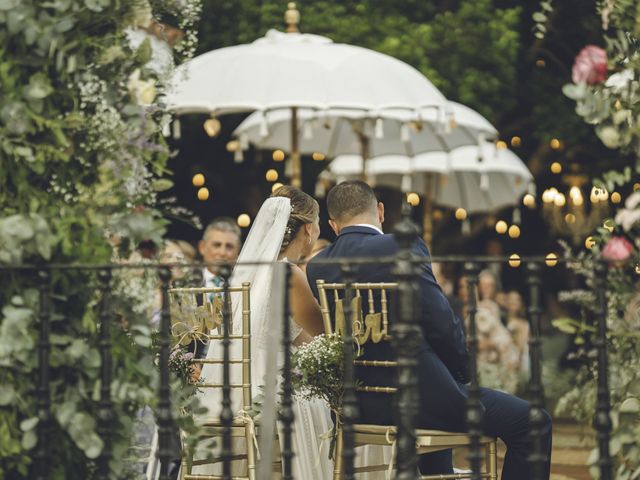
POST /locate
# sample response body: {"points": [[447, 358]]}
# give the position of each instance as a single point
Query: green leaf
{"points": [[539, 17], [566, 325], [7, 394], [29, 424], [38, 87], [162, 185], [29, 440]]}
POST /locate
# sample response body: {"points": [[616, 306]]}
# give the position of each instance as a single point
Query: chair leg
{"points": [[337, 456], [251, 453], [493, 460]]}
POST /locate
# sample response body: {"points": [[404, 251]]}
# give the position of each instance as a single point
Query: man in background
{"points": [[220, 242]]}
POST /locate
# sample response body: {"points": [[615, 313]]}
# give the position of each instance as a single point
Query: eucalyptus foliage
{"points": [[82, 159]]}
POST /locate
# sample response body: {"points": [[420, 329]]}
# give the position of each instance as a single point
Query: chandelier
{"points": [[575, 215]]}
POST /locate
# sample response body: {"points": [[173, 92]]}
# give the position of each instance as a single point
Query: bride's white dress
{"points": [[312, 418]]}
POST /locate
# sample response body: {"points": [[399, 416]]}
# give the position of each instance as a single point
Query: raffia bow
{"points": [[192, 322]]}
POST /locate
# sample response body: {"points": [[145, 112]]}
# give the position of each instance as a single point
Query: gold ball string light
{"points": [[413, 199], [233, 145], [203, 193], [501, 227], [318, 157], [514, 260], [198, 180], [555, 144], [516, 141], [276, 186], [556, 167], [559, 200], [570, 218], [589, 243], [529, 201], [616, 197], [461, 214], [551, 260], [501, 144], [244, 220], [212, 127], [514, 231], [278, 155], [271, 175]]}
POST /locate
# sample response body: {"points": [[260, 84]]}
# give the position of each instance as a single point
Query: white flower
{"points": [[144, 91], [141, 14], [627, 218], [609, 136]]}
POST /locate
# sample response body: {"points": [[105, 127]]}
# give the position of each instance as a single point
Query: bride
{"points": [[284, 230]]}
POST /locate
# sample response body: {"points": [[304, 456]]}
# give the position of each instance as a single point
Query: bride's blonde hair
{"points": [[304, 209]]}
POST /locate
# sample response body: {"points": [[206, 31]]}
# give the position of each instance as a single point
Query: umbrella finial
{"points": [[292, 18]]}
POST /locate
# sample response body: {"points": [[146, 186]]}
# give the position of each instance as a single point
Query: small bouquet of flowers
{"points": [[181, 363], [318, 370]]}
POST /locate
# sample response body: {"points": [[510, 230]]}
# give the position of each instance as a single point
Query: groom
{"points": [[356, 217]]}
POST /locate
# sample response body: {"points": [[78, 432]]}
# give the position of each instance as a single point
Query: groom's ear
{"points": [[381, 212], [334, 226]]}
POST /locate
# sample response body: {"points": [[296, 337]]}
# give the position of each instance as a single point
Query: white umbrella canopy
{"points": [[284, 70], [392, 132], [478, 179]]}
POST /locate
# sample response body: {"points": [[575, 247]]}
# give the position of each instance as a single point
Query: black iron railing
{"points": [[406, 333]]}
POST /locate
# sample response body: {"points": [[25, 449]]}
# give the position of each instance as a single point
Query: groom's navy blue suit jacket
{"points": [[442, 356]]}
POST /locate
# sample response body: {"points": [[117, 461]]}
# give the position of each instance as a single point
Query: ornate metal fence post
{"points": [[474, 407], [43, 400], [349, 402], [406, 338], [538, 456], [226, 415], [105, 409], [286, 413], [602, 419], [164, 402]]}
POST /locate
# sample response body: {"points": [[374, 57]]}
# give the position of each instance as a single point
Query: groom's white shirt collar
{"points": [[368, 226]]}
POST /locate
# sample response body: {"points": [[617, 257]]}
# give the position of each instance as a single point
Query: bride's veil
{"points": [[262, 246]]}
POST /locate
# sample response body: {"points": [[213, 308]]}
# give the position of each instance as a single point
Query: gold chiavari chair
{"points": [[196, 313], [373, 327]]}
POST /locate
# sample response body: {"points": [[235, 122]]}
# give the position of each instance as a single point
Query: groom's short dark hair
{"points": [[350, 198]]}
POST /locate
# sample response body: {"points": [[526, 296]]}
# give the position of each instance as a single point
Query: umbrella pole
{"points": [[364, 152], [427, 215], [296, 172]]}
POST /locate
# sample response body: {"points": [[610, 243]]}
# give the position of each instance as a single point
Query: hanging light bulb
{"points": [[529, 201], [177, 130], [379, 128], [212, 126], [244, 220], [514, 231], [461, 214], [233, 145], [551, 260], [556, 167], [203, 193], [616, 197], [278, 156], [271, 175], [318, 157], [501, 227], [559, 200], [198, 180], [413, 199], [514, 260]]}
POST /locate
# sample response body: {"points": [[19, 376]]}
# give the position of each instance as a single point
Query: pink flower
{"points": [[590, 66], [617, 249]]}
